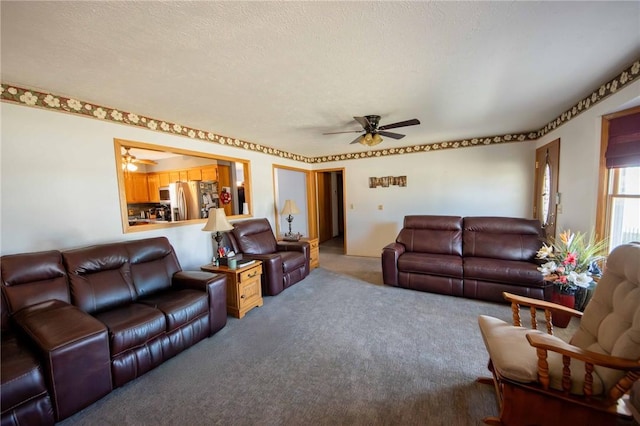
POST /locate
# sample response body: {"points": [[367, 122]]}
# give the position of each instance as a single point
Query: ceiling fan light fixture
{"points": [[369, 139], [130, 167], [375, 140]]}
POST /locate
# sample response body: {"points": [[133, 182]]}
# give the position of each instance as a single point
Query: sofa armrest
{"points": [[300, 246], [215, 285], [74, 349], [272, 273], [390, 254]]}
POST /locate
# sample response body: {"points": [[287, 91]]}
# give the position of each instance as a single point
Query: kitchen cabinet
{"points": [[174, 176], [163, 179], [209, 173], [194, 174], [153, 185], [225, 181], [136, 187], [184, 177]]}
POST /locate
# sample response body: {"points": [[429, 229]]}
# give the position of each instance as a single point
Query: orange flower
{"points": [[566, 237]]}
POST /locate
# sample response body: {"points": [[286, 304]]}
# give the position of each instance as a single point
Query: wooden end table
{"points": [[314, 251], [244, 289]]}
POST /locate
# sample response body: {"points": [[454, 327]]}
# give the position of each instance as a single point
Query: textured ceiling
{"points": [[282, 73]]}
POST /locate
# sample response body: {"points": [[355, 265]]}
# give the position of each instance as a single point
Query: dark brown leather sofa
{"points": [[473, 257], [284, 263], [78, 323]]}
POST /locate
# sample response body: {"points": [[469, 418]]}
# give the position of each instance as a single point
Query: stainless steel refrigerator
{"points": [[193, 199]]}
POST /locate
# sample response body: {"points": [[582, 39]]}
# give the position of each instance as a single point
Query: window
{"points": [[624, 206], [618, 215]]}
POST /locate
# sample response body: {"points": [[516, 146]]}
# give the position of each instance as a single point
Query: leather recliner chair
{"points": [[284, 263]]}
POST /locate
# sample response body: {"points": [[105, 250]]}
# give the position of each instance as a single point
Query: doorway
{"points": [[546, 196], [330, 202]]}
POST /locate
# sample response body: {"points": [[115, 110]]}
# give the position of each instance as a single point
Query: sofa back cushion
{"points": [[31, 278], [611, 320], [153, 264], [506, 238], [432, 234], [100, 277], [254, 236]]}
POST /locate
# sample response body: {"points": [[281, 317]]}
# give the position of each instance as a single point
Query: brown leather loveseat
{"points": [[285, 263], [78, 323], [473, 257]]}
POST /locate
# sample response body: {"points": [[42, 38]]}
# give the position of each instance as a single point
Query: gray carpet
{"points": [[331, 350]]}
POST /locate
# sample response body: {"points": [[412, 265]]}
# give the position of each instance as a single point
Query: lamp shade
{"points": [[217, 222], [375, 140], [290, 208], [370, 139]]}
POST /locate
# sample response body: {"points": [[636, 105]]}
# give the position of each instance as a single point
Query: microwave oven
{"points": [[165, 195]]}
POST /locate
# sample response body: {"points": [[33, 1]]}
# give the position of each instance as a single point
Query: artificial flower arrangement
{"points": [[572, 261]]}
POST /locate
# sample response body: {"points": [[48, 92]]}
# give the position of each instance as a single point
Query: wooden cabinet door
{"points": [[209, 173], [140, 187], [136, 187], [174, 176], [225, 180], [128, 187], [194, 174], [163, 179], [153, 185], [183, 176]]}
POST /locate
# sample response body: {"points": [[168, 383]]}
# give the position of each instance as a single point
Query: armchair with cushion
{"points": [[542, 380], [284, 263]]}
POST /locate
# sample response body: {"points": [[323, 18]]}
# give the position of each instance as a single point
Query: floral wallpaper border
{"points": [[34, 98]]}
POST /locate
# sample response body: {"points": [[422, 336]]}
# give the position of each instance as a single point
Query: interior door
{"points": [[546, 197], [325, 224]]}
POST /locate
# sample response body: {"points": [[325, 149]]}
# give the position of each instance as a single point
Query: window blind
{"points": [[623, 149]]}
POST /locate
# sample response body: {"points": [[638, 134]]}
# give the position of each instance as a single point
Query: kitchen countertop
{"points": [[140, 221]]}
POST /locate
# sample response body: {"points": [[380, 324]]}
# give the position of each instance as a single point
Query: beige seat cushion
{"points": [[515, 359]]}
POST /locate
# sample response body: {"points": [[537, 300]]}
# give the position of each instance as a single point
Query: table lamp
{"points": [[217, 223], [289, 209]]}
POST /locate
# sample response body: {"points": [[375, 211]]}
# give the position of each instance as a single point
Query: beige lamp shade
{"points": [[290, 208], [217, 222], [370, 139]]}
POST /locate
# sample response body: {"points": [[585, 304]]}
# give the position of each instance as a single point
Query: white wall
{"points": [[480, 181], [292, 185], [580, 141], [59, 185]]}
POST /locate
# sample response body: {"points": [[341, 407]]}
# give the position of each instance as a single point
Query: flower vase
{"points": [[583, 296], [564, 298]]}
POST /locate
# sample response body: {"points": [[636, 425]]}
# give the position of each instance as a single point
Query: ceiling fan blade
{"points": [[363, 122], [391, 135], [145, 162], [412, 122], [346, 131], [356, 140]]}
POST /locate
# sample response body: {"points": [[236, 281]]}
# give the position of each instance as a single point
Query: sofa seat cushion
{"points": [[431, 264], [132, 325], [502, 271], [292, 260], [22, 378], [179, 307]]}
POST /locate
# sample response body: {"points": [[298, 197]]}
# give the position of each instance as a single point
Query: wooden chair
{"points": [[542, 380]]}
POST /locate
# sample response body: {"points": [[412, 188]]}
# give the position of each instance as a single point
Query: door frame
{"points": [[344, 198], [311, 199], [551, 150]]}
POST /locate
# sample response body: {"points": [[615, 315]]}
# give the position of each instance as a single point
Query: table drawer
{"points": [[250, 274]]}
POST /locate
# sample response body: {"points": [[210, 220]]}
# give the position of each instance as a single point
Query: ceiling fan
{"points": [[373, 133], [129, 161]]}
